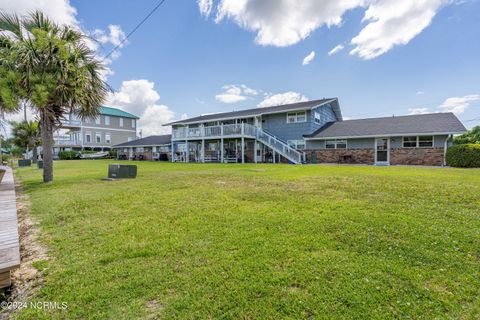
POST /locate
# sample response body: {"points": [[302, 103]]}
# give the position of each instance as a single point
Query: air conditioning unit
{"points": [[24, 163], [122, 171]]}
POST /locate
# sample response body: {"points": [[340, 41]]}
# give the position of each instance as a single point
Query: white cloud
{"points": [[413, 111], [309, 58], [205, 7], [140, 98], [286, 22], [392, 23], [282, 98], [420, 92], [59, 10], [458, 105], [336, 49], [115, 36], [235, 93]]}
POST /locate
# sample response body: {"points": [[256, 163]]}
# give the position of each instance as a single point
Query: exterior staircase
{"points": [[275, 144]]}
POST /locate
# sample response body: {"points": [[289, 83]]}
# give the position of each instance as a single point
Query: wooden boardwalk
{"points": [[9, 242]]}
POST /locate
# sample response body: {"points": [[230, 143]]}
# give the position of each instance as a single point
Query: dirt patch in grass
{"points": [[33, 256]]}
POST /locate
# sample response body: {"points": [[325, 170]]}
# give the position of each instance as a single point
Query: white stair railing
{"points": [[274, 143]]}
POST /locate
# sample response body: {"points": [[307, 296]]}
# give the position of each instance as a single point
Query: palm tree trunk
{"points": [[46, 124], [34, 154]]}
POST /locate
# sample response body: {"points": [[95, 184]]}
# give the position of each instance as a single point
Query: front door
{"points": [[382, 151]]}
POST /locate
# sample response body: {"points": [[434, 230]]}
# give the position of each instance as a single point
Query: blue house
{"points": [[312, 132]]}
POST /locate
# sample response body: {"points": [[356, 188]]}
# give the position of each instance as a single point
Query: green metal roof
{"points": [[109, 111]]}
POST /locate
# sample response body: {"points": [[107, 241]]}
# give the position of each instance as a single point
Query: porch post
{"points": [[274, 155], [203, 150], [221, 144], [187, 150], [172, 149], [255, 151], [243, 142]]}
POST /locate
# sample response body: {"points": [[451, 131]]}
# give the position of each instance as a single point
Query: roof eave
{"points": [[260, 114], [384, 135]]}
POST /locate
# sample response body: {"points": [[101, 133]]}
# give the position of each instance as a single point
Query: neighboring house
{"points": [[113, 126], [148, 148], [313, 132]]}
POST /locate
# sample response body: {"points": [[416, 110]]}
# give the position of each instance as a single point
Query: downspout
{"points": [[445, 150]]}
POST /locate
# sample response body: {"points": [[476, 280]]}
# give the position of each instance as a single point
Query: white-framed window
{"points": [[121, 122], [316, 117], [133, 123], [98, 119], [107, 120], [108, 138], [417, 142], [297, 144], [336, 144], [88, 137], [294, 117], [140, 149], [98, 137]]}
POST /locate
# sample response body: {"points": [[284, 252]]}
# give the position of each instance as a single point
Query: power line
{"points": [[135, 29]]}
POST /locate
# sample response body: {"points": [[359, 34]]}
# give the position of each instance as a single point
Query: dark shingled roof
{"points": [[259, 111], [433, 123], [147, 141]]}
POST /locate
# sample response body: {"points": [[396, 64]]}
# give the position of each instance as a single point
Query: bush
{"points": [[67, 155], [464, 155]]}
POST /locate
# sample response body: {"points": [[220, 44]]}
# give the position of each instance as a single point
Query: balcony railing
{"points": [[71, 123], [240, 130], [227, 130]]}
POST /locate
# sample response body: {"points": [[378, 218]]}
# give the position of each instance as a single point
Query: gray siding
{"points": [[277, 125], [116, 137], [114, 123]]}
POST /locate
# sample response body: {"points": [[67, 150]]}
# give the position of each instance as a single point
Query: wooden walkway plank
{"points": [[9, 240]]}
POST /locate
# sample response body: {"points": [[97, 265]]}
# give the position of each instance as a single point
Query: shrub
{"points": [[67, 155], [464, 155]]}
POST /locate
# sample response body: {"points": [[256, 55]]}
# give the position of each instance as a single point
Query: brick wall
{"points": [[357, 156], [414, 156]]}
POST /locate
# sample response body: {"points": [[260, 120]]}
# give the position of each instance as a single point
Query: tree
{"points": [[52, 68], [26, 134], [472, 136]]}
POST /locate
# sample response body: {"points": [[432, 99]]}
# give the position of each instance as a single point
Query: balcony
{"points": [[215, 132], [67, 123]]}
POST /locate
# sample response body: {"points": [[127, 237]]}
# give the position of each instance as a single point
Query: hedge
{"points": [[67, 155], [464, 155]]}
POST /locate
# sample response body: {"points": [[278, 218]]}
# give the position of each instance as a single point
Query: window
{"points": [[133, 123], [317, 117], [336, 144], [297, 144], [88, 137], [121, 122], [140, 149], [425, 142], [330, 144], [98, 137], [293, 117], [107, 120], [341, 144], [130, 139], [97, 120], [409, 142], [418, 142], [108, 138]]}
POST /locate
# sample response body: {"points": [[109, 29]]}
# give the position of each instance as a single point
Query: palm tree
{"points": [[26, 134], [52, 68]]}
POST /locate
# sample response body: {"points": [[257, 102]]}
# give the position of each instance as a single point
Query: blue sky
{"points": [[179, 62]]}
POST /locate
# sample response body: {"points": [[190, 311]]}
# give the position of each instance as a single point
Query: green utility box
{"points": [[24, 163], [122, 171], [40, 164]]}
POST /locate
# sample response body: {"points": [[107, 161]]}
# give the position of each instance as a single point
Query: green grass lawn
{"points": [[259, 241]]}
